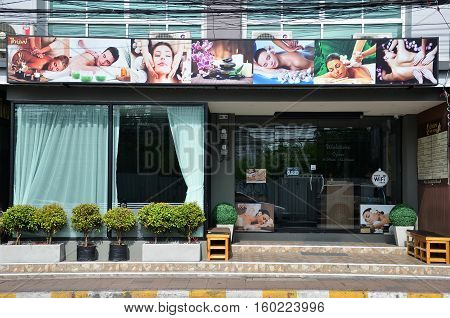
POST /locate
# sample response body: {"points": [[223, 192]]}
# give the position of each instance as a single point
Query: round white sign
{"points": [[380, 178]]}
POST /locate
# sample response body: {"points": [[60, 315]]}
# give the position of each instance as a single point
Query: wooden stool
{"points": [[218, 243], [428, 247]]}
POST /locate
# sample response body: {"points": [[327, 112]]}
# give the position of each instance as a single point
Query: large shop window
{"points": [[160, 154], [61, 156], [157, 155]]}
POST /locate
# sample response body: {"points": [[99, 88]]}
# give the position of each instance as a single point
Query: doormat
{"points": [[322, 254]]}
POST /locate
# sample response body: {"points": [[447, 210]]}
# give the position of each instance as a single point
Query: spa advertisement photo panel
{"points": [[407, 61], [68, 60], [345, 62], [288, 62]]}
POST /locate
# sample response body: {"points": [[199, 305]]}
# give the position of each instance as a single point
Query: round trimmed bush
{"points": [[403, 215], [157, 217], [85, 219], [225, 213], [120, 220], [51, 218], [20, 218], [188, 218]]}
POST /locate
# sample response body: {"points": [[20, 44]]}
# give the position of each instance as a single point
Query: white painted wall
{"points": [[422, 26], [17, 20]]}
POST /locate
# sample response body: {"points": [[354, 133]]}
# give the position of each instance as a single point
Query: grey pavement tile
{"points": [[216, 284], [179, 283], [199, 283]]}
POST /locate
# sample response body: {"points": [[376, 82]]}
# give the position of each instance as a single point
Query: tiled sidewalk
{"points": [[231, 287]]}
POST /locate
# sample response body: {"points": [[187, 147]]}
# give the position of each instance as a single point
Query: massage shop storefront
{"points": [[300, 135]]}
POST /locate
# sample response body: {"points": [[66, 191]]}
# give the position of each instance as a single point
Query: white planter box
{"points": [[32, 253], [400, 234], [171, 252]]}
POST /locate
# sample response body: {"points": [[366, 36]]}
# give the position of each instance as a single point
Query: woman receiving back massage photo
{"points": [[341, 70], [294, 57]]}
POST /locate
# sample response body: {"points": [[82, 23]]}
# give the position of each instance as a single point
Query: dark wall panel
{"points": [[434, 199]]}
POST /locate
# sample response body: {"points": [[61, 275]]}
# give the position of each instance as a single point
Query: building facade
{"points": [[306, 155]]}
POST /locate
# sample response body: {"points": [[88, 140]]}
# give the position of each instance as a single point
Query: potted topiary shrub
{"points": [[17, 220], [120, 220], [225, 215], [188, 218], [51, 219], [157, 218], [86, 218], [403, 218]]}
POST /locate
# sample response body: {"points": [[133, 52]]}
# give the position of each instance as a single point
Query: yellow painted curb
{"points": [[205, 293], [279, 294], [69, 294], [348, 294], [7, 295], [425, 295], [81, 294], [140, 294]]}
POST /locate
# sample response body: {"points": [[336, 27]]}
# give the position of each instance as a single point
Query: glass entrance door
{"points": [[317, 172]]}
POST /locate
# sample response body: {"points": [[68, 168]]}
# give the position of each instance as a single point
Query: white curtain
{"points": [[187, 127], [62, 156]]}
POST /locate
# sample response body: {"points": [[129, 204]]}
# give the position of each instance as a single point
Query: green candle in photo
{"points": [[100, 77], [86, 78], [76, 75]]}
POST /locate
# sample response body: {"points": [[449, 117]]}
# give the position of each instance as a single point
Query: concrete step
{"points": [[224, 269], [317, 248]]}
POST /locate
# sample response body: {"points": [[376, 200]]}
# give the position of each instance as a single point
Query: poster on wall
{"points": [[374, 218], [345, 62], [160, 61], [256, 175], [407, 61], [278, 62], [222, 62], [63, 60], [255, 217]]}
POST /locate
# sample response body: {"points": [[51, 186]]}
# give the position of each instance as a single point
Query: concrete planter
{"points": [[171, 252], [32, 253], [400, 234]]}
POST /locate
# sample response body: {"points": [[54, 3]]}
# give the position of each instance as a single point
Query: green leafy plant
{"points": [[224, 213], [188, 218], [120, 220], [2, 227], [51, 219], [157, 217], [19, 219], [403, 215], [86, 218]]}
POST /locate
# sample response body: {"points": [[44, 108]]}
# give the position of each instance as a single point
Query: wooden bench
{"points": [[428, 247], [219, 246]]}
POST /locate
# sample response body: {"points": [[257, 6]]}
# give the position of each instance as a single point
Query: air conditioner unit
{"points": [[372, 35], [168, 35], [5, 31], [269, 35]]}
